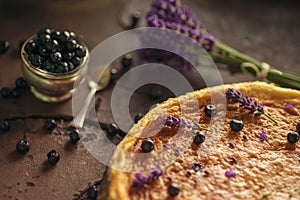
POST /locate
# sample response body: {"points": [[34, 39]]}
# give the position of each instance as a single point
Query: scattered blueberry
{"points": [[5, 92], [138, 117], [4, 125], [112, 130], [113, 75], [122, 134], [53, 157], [21, 83], [126, 61], [298, 127], [92, 192], [23, 146], [147, 146], [49, 124], [173, 189], [236, 125], [4, 45], [74, 136], [135, 17], [15, 93], [210, 110], [155, 93], [293, 137], [198, 138]]}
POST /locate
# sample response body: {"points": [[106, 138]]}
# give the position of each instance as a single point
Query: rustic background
{"points": [[267, 30]]}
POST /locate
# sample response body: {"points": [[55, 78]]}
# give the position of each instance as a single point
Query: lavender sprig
{"points": [[171, 14], [179, 122], [247, 102], [141, 180]]}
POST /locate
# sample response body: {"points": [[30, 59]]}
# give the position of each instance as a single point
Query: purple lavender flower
{"points": [[230, 173], [247, 102], [188, 173], [197, 167], [172, 121], [289, 106], [263, 135], [179, 122], [173, 15], [233, 159], [231, 145], [141, 180]]}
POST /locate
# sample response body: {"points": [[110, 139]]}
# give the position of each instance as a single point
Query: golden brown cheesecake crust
{"points": [[268, 169]]}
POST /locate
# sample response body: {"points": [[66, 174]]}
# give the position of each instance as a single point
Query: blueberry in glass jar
{"points": [[80, 51], [35, 59], [46, 31], [55, 57], [55, 51], [30, 47], [70, 45], [75, 61]]}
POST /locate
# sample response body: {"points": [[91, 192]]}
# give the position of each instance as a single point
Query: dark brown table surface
{"points": [[268, 30]]}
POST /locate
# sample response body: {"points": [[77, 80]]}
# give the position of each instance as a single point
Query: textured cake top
{"points": [[195, 153]]}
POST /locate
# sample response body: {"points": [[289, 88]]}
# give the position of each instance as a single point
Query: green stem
{"points": [[168, 165], [203, 128], [233, 57], [268, 116]]}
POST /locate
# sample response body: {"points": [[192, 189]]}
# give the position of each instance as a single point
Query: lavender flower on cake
{"points": [[247, 103]]}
